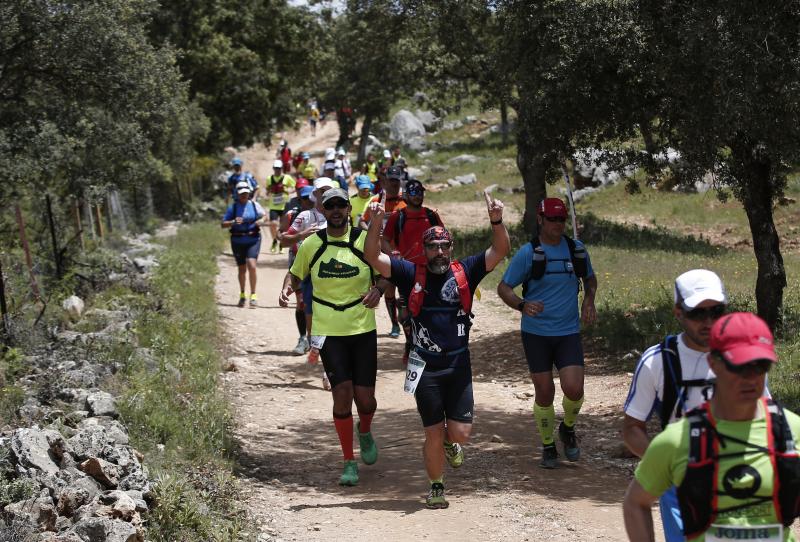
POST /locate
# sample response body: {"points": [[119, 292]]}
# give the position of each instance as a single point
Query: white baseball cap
{"points": [[330, 154], [340, 151], [386, 153], [322, 182], [242, 187], [277, 164], [698, 285]]}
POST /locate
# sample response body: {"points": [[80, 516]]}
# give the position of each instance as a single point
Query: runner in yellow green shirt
{"points": [[359, 202], [278, 186]]}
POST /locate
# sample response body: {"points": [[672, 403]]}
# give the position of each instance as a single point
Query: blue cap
{"points": [[236, 161], [363, 181], [306, 191], [306, 156]]}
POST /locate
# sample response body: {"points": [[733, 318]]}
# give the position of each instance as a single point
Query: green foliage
{"points": [[12, 489], [11, 398]]}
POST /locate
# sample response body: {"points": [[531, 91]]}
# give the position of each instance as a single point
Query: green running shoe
{"points": [[549, 456], [570, 441], [435, 497], [369, 450], [454, 454], [242, 300], [349, 474]]}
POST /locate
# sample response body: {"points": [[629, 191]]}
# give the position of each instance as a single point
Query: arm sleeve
{"points": [[655, 471], [643, 393], [520, 267]]}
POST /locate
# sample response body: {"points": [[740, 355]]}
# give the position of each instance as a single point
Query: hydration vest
{"points": [[276, 187], [249, 231], [577, 257], [697, 494], [675, 388], [417, 296], [350, 244], [433, 220]]}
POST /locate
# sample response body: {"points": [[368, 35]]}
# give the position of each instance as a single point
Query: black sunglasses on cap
{"points": [[712, 313], [335, 204]]}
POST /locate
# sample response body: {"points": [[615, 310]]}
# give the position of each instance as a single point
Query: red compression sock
{"points": [[344, 428], [365, 422]]}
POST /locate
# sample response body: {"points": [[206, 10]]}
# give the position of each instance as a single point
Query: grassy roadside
{"points": [[172, 404]]}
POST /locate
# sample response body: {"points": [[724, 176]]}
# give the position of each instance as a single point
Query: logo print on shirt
{"points": [[741, 481], [334, 269], [449, 291], [422, 338]]}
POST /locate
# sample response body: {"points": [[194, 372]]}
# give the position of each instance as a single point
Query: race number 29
{"points": [[416, 365]]}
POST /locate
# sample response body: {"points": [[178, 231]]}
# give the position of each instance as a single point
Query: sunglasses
{"points": [[757, 367], [331, 205], [436, 246], [414, 191], [712, 313], [561, 219]]}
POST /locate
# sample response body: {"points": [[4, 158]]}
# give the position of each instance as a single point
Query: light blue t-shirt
{"points": [[557, 289], [250, 212]]}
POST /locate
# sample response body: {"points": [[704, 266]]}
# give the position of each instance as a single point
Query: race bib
{"points": [[317, 341], [754, 533], [277, 199], [414, 369]]}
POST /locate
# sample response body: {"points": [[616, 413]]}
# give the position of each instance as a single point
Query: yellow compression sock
{"points": [[571, 410], [439, 480], [545, 419]]}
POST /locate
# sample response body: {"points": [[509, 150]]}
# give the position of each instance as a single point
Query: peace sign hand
{"points": [[494, 206]]}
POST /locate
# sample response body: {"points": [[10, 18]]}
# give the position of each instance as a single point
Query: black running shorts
{"points": [[542, 352], [351, 358], [445, 391]]}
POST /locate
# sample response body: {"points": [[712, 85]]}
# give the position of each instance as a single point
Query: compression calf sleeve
{"points": [[344, 428], [365, 422], [300, 318], [571, 410], [545, 419]]}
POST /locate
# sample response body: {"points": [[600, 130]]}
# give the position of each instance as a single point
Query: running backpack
{"points": [[417, 296], [675, 388], [577, 256], [697, 494], [276, 187], [433, 220], [350, 244]]}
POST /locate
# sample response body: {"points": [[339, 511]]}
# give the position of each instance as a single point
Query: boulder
{"points": [[453, 182], [31, 448], [73, 306], [122, 505], [430, 121], [405, 126], [40, 511], [101, 470], [101, 403], [417, 144], [89, 442], [439, 168], [463, 159], [469, 178], [416, 173], [452, 125], [100, 529], [115, 432], [145, 264], [381, 130]]}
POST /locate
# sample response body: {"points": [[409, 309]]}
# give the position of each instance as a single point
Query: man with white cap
{"points": [[343, 171], [278, 186], [733, 459], [673, 376]]}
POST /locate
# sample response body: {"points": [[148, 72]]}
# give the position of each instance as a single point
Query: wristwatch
{"points": [[521, 306]]}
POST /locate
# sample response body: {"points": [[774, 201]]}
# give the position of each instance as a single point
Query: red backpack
{"points": [[417, 295]]}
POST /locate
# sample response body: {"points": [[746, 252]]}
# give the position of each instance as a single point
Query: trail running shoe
{"points": [[253, 301], [302, 346], [570, 441], [369, 450], [349, 474], [454, 454], [549, 456], [274, 248], [395, 332], [242, 300], [326, 384], [435, 497]]}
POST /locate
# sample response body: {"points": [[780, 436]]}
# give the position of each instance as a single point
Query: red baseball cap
{"points": [[552, 207], [301, 182], [742, 337]]}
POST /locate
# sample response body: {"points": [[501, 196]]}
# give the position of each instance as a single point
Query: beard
{"points": [[439, 265], [337, 222]]}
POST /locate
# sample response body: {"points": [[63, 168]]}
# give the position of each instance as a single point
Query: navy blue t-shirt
{"points": [[442, 326]]}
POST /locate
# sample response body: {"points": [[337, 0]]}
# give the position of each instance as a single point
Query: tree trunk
{"points": [[650, 166], [533, 165], [4, 308], [23, 238], [504, 121], [364, 141], [52, 225], [753, 168]]}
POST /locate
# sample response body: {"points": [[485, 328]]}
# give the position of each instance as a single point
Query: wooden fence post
{"points": [[28, 260]]}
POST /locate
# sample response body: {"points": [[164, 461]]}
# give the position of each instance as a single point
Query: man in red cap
{"points": [[733, 459], [551, 269]]}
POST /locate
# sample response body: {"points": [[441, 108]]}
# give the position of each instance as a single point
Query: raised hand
{"points": [[377, 209], [494, 207]]}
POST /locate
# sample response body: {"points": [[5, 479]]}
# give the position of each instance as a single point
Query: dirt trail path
{"points": [[290, 456]]}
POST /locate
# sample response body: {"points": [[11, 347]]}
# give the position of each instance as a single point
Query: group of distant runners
{"points": [[725, 465]]}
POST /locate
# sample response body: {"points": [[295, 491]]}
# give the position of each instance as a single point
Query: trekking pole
{"points": [[571, 201]]}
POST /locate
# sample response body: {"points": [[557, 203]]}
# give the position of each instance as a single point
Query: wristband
{"points": [[521, 306], [497, 223]]}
